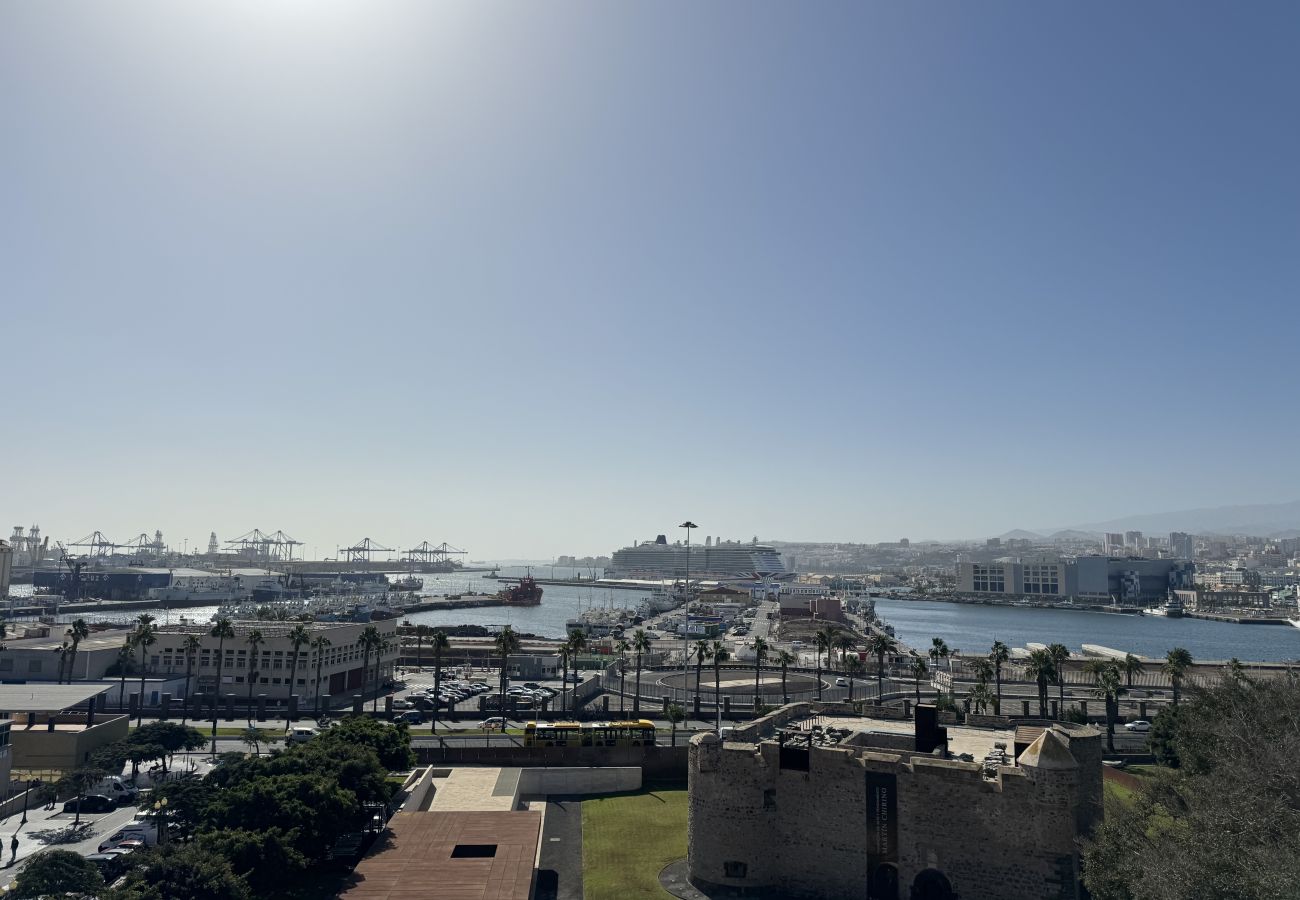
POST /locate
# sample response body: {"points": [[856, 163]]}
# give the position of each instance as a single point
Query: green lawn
{"points": [[1114, 794], [627, 839]]}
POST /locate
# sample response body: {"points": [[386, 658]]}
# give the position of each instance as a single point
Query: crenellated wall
{"points": [[796, 822]]}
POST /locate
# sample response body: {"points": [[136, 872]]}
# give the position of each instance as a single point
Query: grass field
{"points": [[627, 839]]}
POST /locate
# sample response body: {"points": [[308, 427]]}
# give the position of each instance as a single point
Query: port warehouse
{"points": [[135, 582], [1106, 579]]}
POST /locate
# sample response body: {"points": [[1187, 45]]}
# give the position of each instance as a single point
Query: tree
{"points": [[998, 656], [640, 645], [146, 635], [878, 645], [319, 645], [298, 638], [675, 715], [124, 658], [64, 652], [1177, 662], [370, 641], [702, 652], [824, 639], [422, 631], [1109, 686], [760, 657], [1226, 823], [255, 737], [507, 643], [577, 643], [980, 697], [221, 630], [1131, 666], [919, 669], [391, 744], [938, 651], [621, 646], [254, 642], [191, 645], [78, 782], [1060, 655], [384, 646], [267, 860], [854, 668], [1160, 740], [719, 653], [783, 659], [169, 737], [846, 643], [983, 670], [438, 641], [1040, 669], [57, 873], [77, 632], [193, 871]]}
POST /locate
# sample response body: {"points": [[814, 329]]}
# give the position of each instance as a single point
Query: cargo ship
{"points": [[526, 593]]}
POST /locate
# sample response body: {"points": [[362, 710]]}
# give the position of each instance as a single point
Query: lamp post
{"points": [[686, 607], [160, 808], [31, 786]]}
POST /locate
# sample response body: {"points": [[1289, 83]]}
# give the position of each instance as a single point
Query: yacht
{"points": [[1172, 608]]}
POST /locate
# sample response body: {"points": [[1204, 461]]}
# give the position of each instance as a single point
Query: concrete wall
{"points": [[68, 746], [590, 780]]}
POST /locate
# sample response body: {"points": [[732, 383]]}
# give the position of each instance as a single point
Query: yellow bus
{"points": [[637, 733]]}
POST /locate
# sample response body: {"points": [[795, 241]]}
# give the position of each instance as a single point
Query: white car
{"points": [[1141, 725], [841, 682]]}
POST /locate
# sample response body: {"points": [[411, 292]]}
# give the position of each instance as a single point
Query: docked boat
{"points": [[1172, 608], [1295, 622], [409, 583], [526, 593]]}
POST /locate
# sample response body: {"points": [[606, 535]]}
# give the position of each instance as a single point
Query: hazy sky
{"points": [[543, 278]]}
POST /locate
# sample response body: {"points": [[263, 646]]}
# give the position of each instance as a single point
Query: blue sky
{"points": [[545, 278]]}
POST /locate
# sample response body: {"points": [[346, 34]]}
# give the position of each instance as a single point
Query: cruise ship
{"points": [[723, 559]]}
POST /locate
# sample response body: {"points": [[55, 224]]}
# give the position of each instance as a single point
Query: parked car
{"points": [[400, 704], [91, 803], [1141, 725], [139, 832]]}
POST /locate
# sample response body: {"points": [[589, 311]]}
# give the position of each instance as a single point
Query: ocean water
{"points": [[974, 628]]}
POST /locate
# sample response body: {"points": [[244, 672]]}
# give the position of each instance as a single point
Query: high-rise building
{"points": [[1181, 545], [1133, 539], [1114, 542]]}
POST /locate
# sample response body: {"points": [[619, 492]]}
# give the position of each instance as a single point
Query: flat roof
{"points": [[414, 859], [978, 742], [45, 697]]}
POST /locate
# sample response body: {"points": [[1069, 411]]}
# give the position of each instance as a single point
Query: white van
{"points": [[116, 790], [135, 831], [300, 734]]}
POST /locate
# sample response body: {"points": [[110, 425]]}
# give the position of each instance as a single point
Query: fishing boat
{"points": [[526, 593]]}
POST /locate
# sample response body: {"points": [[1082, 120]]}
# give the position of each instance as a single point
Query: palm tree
{"points": [[640, 645], [221, 630], [1060, 654], [125, 656], [675, 715], [854, 668], [191, 645], [298, 636], [622, 646], [1177, 662], [783, 659], [998, 656], [938, 650], [845, 642], [720, 655], [577, 643], [77, 632], [1040, 669], [146, 635], [980, 696], [1130, 666], [983, 670], [824, 639], [421, 632], [254, 642], [318, 646], [63, 651], [370, 640], [438, 641], [384, 646], [760, 657], [506, 643], [702, 652], [878, 645], [919, 669], [1109, 687]]}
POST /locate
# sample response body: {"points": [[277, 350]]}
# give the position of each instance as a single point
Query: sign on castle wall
{"points": [[882, 819]]}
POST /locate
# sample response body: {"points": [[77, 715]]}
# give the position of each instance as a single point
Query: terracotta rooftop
{"points": [[494, 856]]}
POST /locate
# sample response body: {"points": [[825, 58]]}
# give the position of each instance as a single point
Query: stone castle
{"points": [[871, 817]]}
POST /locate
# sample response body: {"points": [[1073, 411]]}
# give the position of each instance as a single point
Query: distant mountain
{"points": [[1020, 535], [1261, 519], [1071, 535]]}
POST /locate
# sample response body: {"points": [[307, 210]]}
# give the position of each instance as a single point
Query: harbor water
{"points": [[974, 627]]}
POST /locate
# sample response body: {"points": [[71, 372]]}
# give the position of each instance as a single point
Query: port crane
{"points": [[99, 545], [259, 545], [361, 551], [426, 553]]}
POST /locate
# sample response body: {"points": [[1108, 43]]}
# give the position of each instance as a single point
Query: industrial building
{"points": [[1126, 581], [336, 670]]}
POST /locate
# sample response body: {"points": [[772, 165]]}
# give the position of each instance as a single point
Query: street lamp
{"points": [[686, 607], [31, 786], [160, 808]]}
